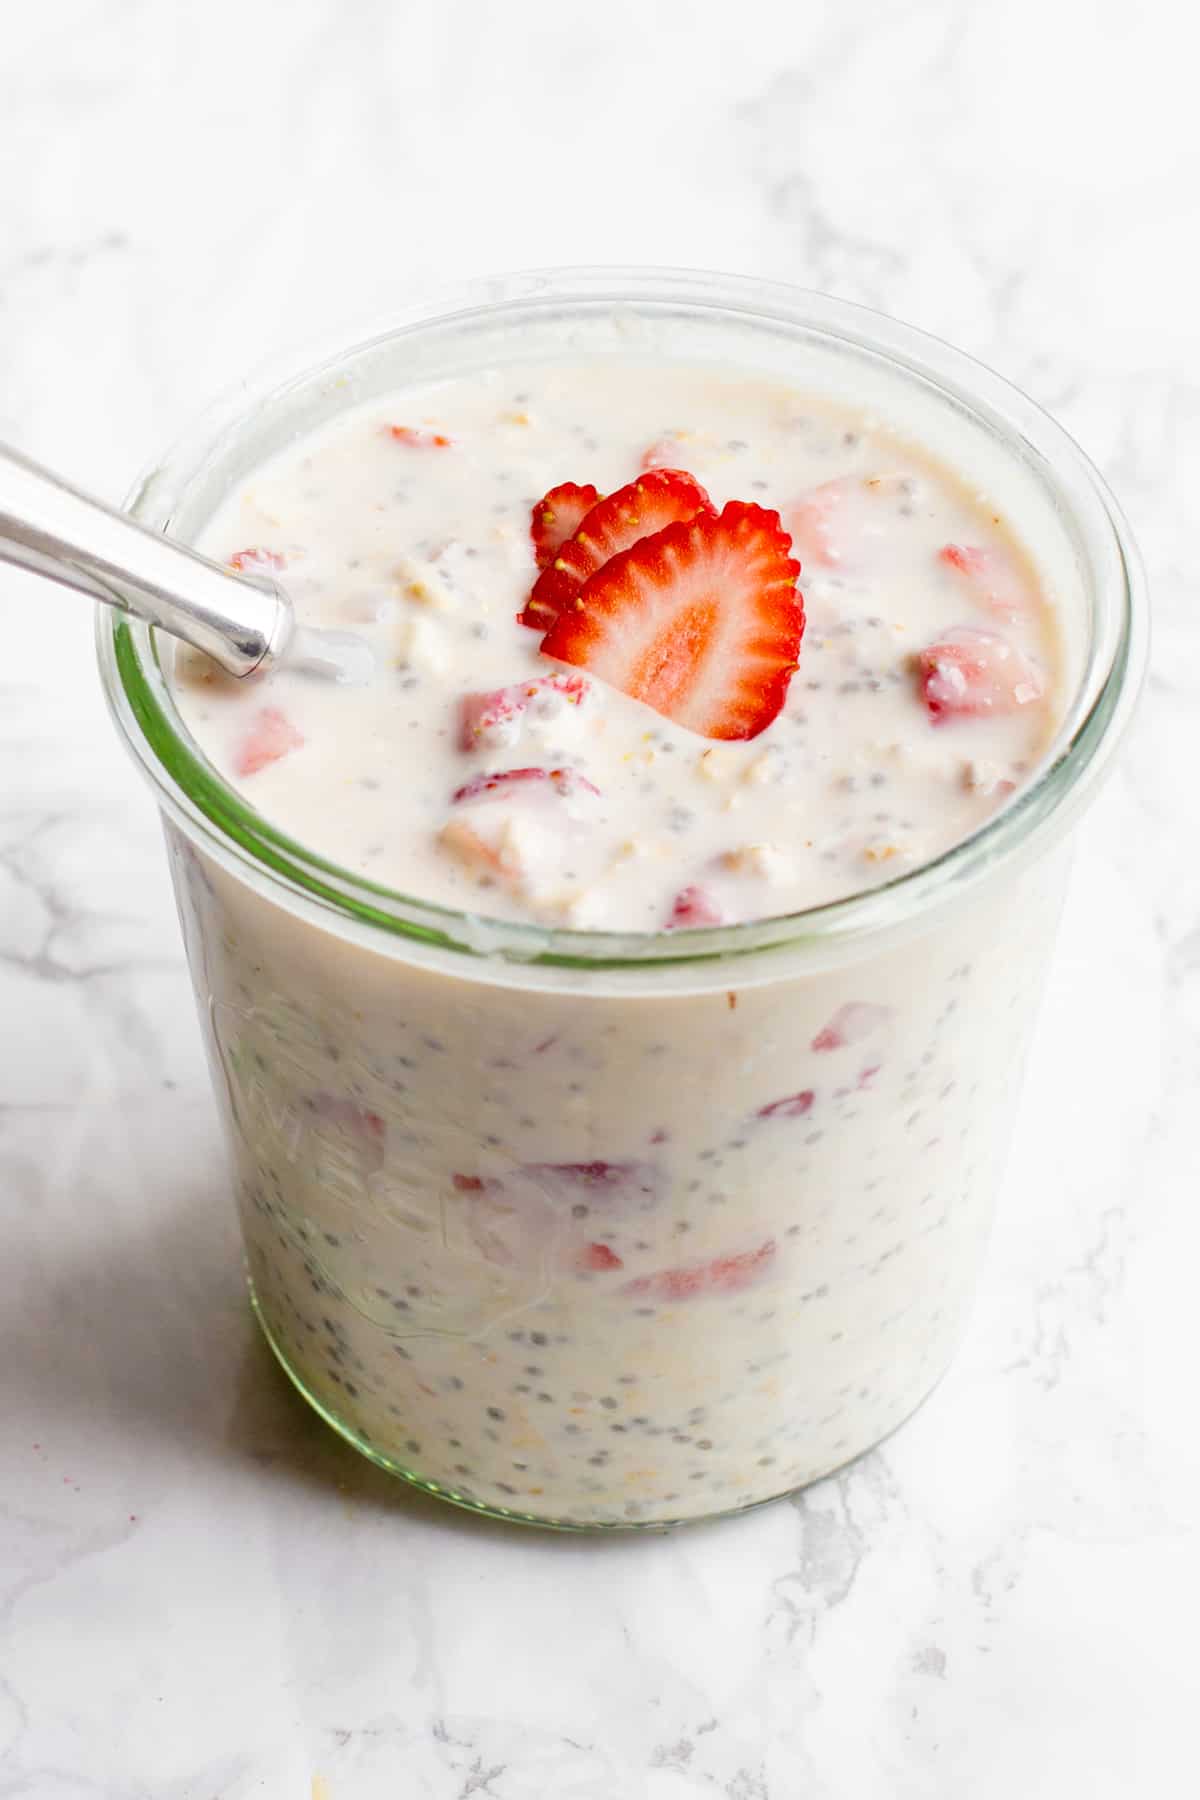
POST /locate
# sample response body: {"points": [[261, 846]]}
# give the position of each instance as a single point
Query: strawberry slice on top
{"points": [[639, 509], [557, 517], [700, 621]]}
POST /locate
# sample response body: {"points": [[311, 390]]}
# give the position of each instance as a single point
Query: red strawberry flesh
{"points": [[418, 439], [700, 621], [558, 516], [489, 719], [248, 561], [731, 1274], [693, 908], [641, 508], [271, 735], [795, 1106], [970, 673], [850, 1024], [501, 784]]}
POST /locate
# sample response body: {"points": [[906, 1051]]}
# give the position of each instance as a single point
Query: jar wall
{"points": [[622, 1258]]}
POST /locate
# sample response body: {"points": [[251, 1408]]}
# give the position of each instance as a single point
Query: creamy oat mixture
{"points": [[620, 1250], [926, 686]]}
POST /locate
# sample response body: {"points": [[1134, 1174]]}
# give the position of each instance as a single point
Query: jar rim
{"points": [[190, 789]]}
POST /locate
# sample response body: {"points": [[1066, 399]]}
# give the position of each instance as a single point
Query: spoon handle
{"points": [[57, 532]]}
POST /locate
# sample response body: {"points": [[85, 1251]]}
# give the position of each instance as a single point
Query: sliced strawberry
{"points": [[701, 621], [850, 1024], [558, 516], [795, 1106], [498, 786], [969, 673], [721, 1275], [493, 721], [417, 439], [248, 561], [635, 511], [992, 576], [693, 908], [271, 735], [597, 1259]]}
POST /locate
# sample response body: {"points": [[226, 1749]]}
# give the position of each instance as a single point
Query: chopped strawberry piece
{"points": [[642, 507], [468, 1184], [248, 562], [490, 787], [271, 735], [624, 1183], [693, 908], [417, 439], [349, 1114], [597, 1258], [992, 576], [795, 1106], [663, 453], [365, 1129], [731, 1274], [969, 673], [817, 522], [492, 721], [700, 621], [850, 1024], [558, 516]]}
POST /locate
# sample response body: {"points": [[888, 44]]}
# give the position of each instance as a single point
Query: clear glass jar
{"points": [[428, 1111]]}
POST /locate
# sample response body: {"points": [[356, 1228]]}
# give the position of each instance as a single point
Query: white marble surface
{"points": [[202, 1593]]}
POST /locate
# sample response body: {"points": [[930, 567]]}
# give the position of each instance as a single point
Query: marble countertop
{"points": [[204, 1595]]}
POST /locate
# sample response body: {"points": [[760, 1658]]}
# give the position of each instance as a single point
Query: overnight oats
{"points": [[631, 1177]]}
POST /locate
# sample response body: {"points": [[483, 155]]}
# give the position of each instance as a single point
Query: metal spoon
{"points": [[244, 622]]}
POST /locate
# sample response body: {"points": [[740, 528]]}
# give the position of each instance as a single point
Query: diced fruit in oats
{"points": [[694, 907], [818, 522], [271, 735], [969, 673], [665, 452], [598, 1259], [558, 516], [795, 1106], [419, 439], [700, 621], [991, 576], [348, 1113], [850, 1024], [365, 1130], [493, 721], [731, 1274], [621, 1183], [468, 1184], [501, 785], [257, 561], [638, 510], [501, 844], [517, 827]]}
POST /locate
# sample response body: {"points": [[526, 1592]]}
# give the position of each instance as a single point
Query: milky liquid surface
{"points": [[423, 547]]}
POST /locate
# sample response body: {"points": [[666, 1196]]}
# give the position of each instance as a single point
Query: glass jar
{"points": [[794, 1126]]}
